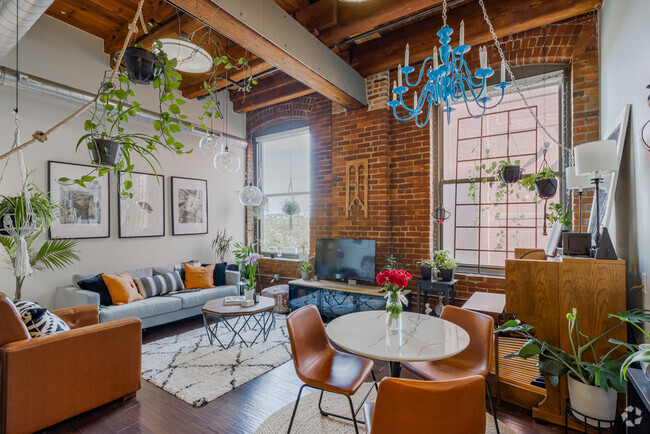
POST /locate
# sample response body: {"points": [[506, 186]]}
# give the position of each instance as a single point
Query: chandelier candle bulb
{"points": [[462, 33], [415, 100], [399, 76], [394, 87], [406, 56], [435, 57], [503, 71]]}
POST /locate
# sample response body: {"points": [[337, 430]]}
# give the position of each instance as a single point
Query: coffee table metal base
{"points": [[265, 322]]}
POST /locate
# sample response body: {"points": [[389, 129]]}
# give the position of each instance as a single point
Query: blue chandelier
{"points": [[448, 80]]}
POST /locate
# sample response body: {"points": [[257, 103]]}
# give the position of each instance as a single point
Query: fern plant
{"points": [[54, 254]]}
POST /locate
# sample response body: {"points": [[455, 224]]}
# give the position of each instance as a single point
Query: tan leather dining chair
{"points": [[414, 407], [473, 360], [319, 365]]}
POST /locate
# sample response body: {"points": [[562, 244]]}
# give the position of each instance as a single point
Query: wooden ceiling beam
{"points": [[319, 16], [509, 17], [263, 27], [357, 18], [272, 90]]}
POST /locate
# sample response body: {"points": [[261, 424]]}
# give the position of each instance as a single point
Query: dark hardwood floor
{"points": [[240, 411]]}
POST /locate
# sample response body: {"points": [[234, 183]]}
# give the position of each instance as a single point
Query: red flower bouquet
{"points": [[393, 282]]}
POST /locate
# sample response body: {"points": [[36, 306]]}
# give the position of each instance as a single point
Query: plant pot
{"points": [[105, 152], [141, 65], [25, 230], [426, 273], [248, 293], [592, 401], [510, 174], [546, 188], [305, 275], [446, 274]]}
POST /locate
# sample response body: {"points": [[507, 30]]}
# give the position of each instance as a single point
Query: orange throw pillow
{"points": [[199, 277], [122, 288]]}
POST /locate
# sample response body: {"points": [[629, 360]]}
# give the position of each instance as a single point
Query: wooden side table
{"points": [[447, 288]]}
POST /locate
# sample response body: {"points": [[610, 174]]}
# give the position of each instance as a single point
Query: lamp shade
{"points": [[596, 157], [575, 181], [250, 196], [190, 57]]}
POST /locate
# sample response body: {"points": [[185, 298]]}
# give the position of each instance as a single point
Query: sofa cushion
{"points": [[195, 298], [163, 270], [97, 284], [181, 267], [219, 275], [122, 288], [159, 284], [38, 320], [140, 309], [199, 277]]}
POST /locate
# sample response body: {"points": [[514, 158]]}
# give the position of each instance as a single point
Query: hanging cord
{"points": [[40, 136], [512, 77]]}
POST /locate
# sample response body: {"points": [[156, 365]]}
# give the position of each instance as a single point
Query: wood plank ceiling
{"points": [[370, 35]]}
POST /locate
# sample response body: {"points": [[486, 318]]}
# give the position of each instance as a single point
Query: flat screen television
{"points": [[343, 258]]}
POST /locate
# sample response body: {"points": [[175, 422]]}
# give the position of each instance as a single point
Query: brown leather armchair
{"points": [[413, 406], [49, 379]]}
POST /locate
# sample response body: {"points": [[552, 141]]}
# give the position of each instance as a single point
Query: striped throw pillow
{"points": [[159, 284]]}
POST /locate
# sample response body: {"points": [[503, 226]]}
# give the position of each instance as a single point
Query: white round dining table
{"points": [[422, 338]]}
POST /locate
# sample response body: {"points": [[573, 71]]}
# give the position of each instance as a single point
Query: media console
{"points": [[336, 298]]}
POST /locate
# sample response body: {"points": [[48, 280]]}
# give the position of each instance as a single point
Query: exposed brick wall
{"points": [[400, 156]]}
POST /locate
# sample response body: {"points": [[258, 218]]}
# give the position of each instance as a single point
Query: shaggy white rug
{"points": [[191, 369]]}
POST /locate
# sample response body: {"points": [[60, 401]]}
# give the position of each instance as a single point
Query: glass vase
{"points": [[393, 313]]}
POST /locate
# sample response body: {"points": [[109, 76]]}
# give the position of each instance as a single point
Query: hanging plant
{"points": [[39, 216], [291, 208], [509, 173], [141, 65], [499, 174], [111, 146], [544, 183]]}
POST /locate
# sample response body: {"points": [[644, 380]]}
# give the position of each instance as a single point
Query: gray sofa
{"points": [[152, 311]]}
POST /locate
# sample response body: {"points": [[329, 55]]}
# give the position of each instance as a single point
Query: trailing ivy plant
{"points": [[529, 181], [491, 178]]}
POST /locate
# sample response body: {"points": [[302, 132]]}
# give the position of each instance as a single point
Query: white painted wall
{"points": [[61, 53], [625, 73]]}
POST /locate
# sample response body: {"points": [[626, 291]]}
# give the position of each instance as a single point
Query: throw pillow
{"points": [[122, 288], [181, 267], [97, 284], [159, 284], [38, 320], [199, 277], [219, 276]]}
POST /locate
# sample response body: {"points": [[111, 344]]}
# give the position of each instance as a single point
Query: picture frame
{"points": [[553, 239], [143, 214], [86, 210], [616, 131], [189, 206]]}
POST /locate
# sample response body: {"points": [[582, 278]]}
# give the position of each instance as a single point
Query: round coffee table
{"points": [[423, 337], [261, 312]]}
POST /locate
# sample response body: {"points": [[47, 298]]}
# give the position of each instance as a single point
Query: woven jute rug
{"points": [[309, 420], [191, 369]]}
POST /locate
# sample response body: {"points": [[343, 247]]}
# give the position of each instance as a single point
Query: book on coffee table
{"points": [[233, 300]]}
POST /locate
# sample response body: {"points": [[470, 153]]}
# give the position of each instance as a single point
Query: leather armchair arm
{"points": [[73, 372], [79, 316]]}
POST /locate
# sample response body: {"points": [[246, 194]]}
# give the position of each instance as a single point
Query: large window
{"points": [[483, 231], [283, 173]]}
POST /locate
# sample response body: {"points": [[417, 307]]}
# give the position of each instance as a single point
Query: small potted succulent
{"points": [[593, 386], [544, 183], [426, 265], [509, 173], [305, 268], [445, 263]]}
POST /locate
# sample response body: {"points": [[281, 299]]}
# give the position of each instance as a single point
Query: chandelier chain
{"points": [[512, 77], [444, 13]]}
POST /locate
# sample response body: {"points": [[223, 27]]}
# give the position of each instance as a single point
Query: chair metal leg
{"points": [[494, 413], [354, 419], [354, 412], [374, 379], [295, 407]]}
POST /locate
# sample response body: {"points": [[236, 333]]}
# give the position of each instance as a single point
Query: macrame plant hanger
{"points": [[545, 165], [16, 224]]}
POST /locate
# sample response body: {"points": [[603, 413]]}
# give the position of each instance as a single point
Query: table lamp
{"points": [[594, 159], [577, 182]]}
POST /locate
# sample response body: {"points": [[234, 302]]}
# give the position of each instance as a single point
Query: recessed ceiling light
{"points": [[191, 58]]}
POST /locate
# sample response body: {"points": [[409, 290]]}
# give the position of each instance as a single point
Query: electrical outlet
{"points": [[644, 282]]}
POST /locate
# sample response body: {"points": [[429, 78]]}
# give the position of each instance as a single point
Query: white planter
{"points": [[592, 401], [248, 294]]}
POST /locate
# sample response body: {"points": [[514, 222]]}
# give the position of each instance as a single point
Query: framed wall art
{"points": [[142, 214], [85, 210], [189, 206]]}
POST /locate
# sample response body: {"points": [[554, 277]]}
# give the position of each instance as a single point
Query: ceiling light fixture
{"points": [[191, 58]]}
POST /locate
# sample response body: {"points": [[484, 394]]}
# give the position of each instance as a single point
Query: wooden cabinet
{"points": [[541, 293]]}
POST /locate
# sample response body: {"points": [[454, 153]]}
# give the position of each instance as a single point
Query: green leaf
{"points": [[123, 79], [174, 128], [120, 94], [174, 109], [157, 125], [180, 101], [128, 184]]}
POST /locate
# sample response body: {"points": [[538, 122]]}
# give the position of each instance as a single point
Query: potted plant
{"points": [[559, 214], [291, 208], [445, 263], [592, 385], [221, 245], [247, 260], [393, 282], [509, 173], [14, 208], [544, 183], [141, 65], [305, 268], [426, 265]]}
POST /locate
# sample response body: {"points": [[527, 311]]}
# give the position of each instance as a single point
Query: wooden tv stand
{"points": [[336, 298]]}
